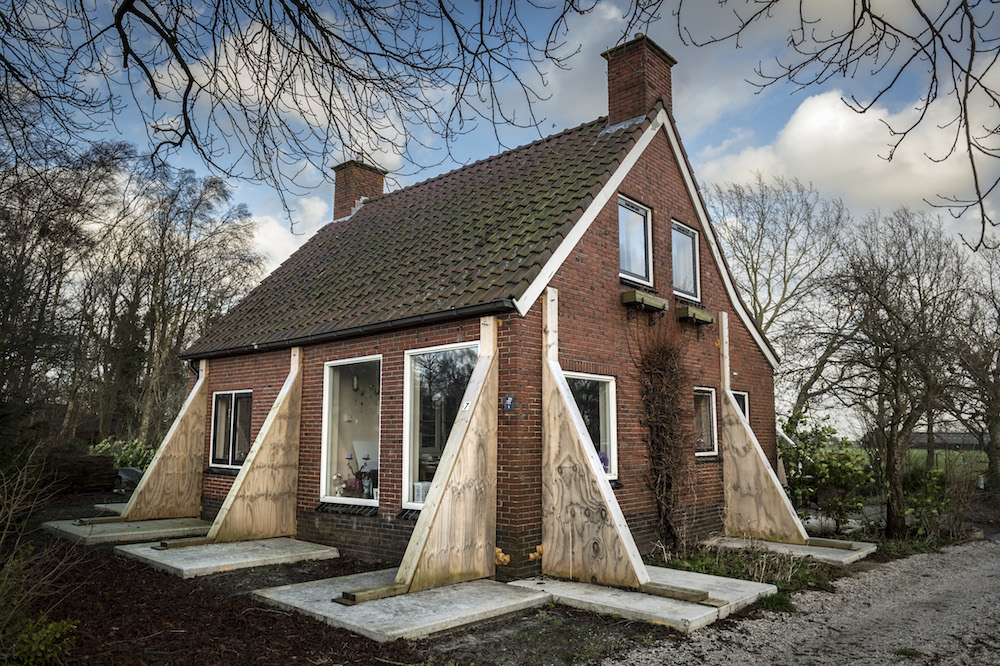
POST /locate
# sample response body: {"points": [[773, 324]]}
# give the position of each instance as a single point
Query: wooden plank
{"points": [[832, 543], [171, 486], [756, 505], [261, 501], [675, 592], [183, 543], [351, 597], [584, 533], [100, 520], [454, 539]]}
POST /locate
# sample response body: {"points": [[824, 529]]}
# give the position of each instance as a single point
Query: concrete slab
{"points": [[112, 507], [404, 616], [683, 616], [855, 550], [134, 531], [736, 593], [217, 557]]}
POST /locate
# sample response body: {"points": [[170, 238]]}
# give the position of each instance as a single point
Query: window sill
{"points": [[637, 284], [223, 471], [348, 509], [408, 514]]}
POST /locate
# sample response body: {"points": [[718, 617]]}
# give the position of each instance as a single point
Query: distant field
{"points": [[976, 461]]}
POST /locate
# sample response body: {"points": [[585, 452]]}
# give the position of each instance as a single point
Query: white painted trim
{"points": [[324, 459], [548, 271], [612, 472], [407, 409], [715, 421], [713, 243], [211, 436], [697, 261], [649, 242], [609, 190]]}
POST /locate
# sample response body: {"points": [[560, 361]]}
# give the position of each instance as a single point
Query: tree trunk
{"points": [[929, 460], [895, 507], [993, 451]]}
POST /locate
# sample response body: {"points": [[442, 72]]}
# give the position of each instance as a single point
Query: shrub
{"points": [[938, 503], [834, 479], [127, 453]]}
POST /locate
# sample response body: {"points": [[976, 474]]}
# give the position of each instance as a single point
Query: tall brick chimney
{"points": [[638, 75], [355, 180]]}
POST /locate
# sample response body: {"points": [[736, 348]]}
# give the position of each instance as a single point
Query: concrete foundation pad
{"points": [[404, 616], [112, 507], [218, 557], [855, 550], [684, 616], [138, 530], [736, 593]]}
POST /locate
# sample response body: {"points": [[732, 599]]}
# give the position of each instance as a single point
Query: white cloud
{"points": [[276, 238], [842, 154]]}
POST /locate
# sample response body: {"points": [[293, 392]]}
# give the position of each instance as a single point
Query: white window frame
{"points": [[648, 212], [612, 472], [232, 427], [407, 369], [324, 490], [715, 425], [696, 237], [746, 403]]}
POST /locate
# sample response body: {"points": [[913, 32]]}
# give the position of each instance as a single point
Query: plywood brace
{"points": [[454, 539], [584, 533], [171, 486], [755, 503], [261, 501]]}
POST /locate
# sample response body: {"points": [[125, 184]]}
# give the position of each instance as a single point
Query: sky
{"points": [[730, 128]]}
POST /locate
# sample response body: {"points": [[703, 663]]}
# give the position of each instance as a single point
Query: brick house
{"points": [[389, 310]]}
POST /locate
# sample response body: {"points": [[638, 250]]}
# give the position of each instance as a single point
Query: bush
{"points": [[938, 502], [834, 479], [126, 453]]}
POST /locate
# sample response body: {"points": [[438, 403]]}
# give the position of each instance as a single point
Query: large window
{"points": [[230, 428], [436, 379], [595, 396], [706, 442], [635, 258], [684, 250], [351, 408]]}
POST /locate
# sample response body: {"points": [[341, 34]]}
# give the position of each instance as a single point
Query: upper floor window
{"points": [[634, 233], [595, 396], [743, 402], [684, 249], [231, 428]]}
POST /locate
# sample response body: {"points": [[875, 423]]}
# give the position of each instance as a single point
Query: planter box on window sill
{"points": [[695, 315], [643, 300]]}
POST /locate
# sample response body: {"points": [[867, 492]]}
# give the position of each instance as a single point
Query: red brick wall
{"points": [[355, 180], [596, 337]]}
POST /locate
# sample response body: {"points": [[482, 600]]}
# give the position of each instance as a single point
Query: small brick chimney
{"points": [[355, 181], [638, 75]]}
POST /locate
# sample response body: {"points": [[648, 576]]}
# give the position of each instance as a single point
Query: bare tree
{"points": [[949, 46], [781, 240], [980, 361], [260, 89], [904, 277]]}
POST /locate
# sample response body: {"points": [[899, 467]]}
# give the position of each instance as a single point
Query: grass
{"points": [[944, 459]]}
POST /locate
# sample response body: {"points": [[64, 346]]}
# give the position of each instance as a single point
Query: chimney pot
{"points": [[355, 182], [638, 75]]}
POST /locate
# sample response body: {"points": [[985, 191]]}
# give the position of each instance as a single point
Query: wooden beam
{"points": [[454, 539], [183, 543], [171, 486], [675, 592], [351, 597], [584, 533], [261, 501], [755, 503]]}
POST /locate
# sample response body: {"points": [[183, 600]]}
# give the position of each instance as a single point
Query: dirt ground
{"points": [[127, 613]]}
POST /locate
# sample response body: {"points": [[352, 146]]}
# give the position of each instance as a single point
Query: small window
{"points": [[351, 408], [595, 396], [684, 250], [705, 441], [436, 379], [635, 258], [743, 402], [231, 428]]}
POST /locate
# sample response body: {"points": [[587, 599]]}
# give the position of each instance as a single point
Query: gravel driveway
{"points": [[941, 608]]}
